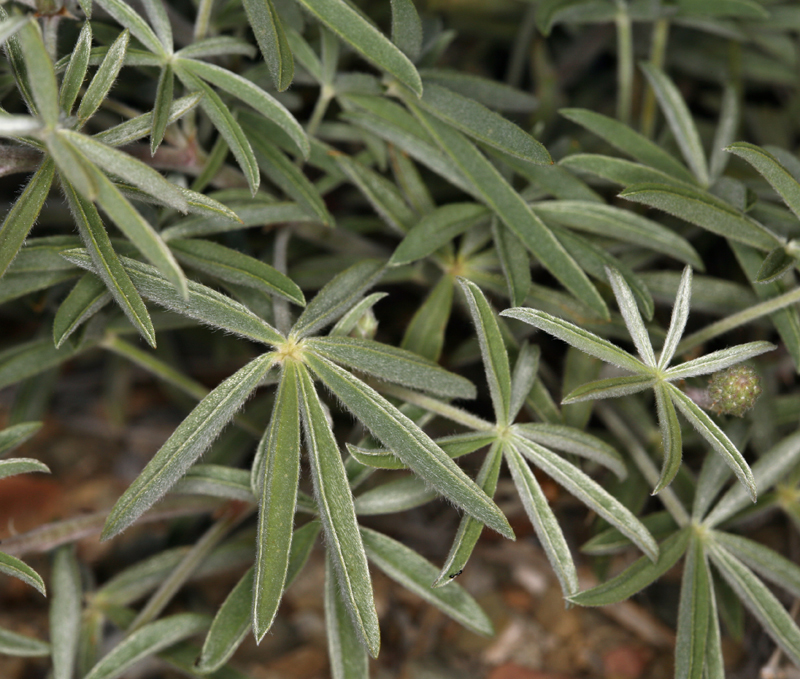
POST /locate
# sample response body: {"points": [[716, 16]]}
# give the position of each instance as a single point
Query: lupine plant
{"points": [[369, 206]]}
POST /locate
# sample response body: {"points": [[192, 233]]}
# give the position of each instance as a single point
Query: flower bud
{"points": [[734, 391]]}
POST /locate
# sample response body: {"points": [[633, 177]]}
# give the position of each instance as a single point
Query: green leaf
{"points": [[493, 350], [17, 434], [590, 493], [162, 105], [23, 214], [727, 128], [338, 517], [548, 11], [765, 561], [141, 126], [776, 263], [677, 324], [124, 165], [22, 646], [577, 337], [86, 298], [770, 468], [609, 221], [157, 13], [226, 124], [746, 9], [347, 656], [632, 317], [415, 573], [680, 120], [455, 446], [694, 610], [406, 28], [104, 78], [216, 481], [770, 168], [575, 442], [107, 264], [612, 387], [65, 612], [514, 262], [409, 443], [148, 640], [187, 443], [523, 378], [544, 521], [41, 75], [229, 265], [10, 25], [611, 541], [715, 436], [21, 465], [616, 170], [267, 27], [395, 365], [425, 332], [384, 196], [469, 530], [718, 360], [10, 565], [217, 46], [671, 438], [628, 141], [252, 95], [638, 575], [285, 174], [491, 93], [130, 19], [483, 125], [436, 230], [277, 470], [498, 195], [761, 602], [31, 358], [703, 209], [355, 30], [394, 496], [341, 293], [203, 304], [345, 325], [76, 69]]}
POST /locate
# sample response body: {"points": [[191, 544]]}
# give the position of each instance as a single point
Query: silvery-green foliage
{"points": [[179, 176]]}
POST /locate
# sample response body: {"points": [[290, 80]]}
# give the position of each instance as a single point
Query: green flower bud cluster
{"points": [[734, 391]]}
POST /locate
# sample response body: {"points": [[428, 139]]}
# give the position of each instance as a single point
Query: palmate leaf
{"points": [[677, 324], [187, 443], [276, 472], [718, 360], [409, 443], [611, 387], [338, 516], [632, 317], [509, 206]]}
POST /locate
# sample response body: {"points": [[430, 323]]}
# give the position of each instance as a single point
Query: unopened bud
{"points": [[734, 391]]}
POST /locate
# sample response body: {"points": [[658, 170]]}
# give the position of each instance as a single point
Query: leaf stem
{"points": [[432, 405], [325, 96], [734, 321], [624, 62], [642, 460], [658, 49], [203, 19]]}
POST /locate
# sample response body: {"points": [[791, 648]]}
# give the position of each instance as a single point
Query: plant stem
{"points": [[325, 95], [520, 52], [658, 48], [203, 19], [201, 549], [746, 316], [642, 460], [624, 62], [283, 318], [432, 405]]}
